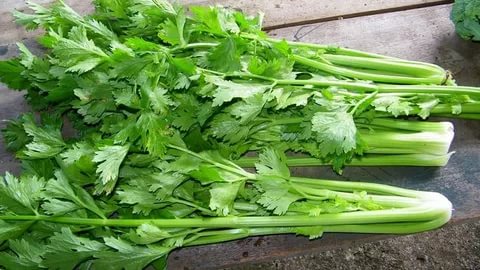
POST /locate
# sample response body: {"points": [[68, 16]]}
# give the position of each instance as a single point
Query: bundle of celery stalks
{"points": [[165, 104]]}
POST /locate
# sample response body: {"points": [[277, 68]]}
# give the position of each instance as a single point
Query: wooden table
{"points": [[411, 29]]}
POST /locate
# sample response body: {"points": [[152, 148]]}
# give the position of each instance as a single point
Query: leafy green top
{"points": [[465, 15]]}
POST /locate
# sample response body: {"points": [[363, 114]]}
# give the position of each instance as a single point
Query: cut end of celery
{"points": [[434, 140]]}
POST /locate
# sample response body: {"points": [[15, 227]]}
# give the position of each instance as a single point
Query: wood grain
{"points": [[277, 13]]}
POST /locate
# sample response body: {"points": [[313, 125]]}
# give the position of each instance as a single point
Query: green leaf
{"points": [[141, 45], [15, 136], [58, 207], [164, 184], [228, 90], [47, 140], [207, 174], [64, 90], [146, 188], [392, 104], [38, 167], [12, 230], [127, 256], [93, 102], [312, 232], [78, 53], [222, 196], [98, 28], [127, 97], [331, 206], [67, 251], [249, 23], [272, 162], [66, 14], [426, 104], [148, 234], [130, 67], [20, 196], [78, 150], [184, 164], [186, 111], [31, 21], [226, 127], [275, 195], [366, 202], [465, 14], [163, 5], [185, 65], [125, 130], [225, 57], [249, 108], [172, 31], [117, 8], [456, 108], [25, 255], [84, 65], [110, 158], [289, 97], [154, 133], [336, 132], [214, 20], [11, 74], [26, 57], [143, 200], [158, 99], [280, 67], [60, 188], [176, 210]]}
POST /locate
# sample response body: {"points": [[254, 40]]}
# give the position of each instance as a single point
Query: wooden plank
{"points": [[278, 13], [421, 34]]}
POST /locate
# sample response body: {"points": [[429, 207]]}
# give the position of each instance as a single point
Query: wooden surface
{"points": [[424, 34], [277, 13]]}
